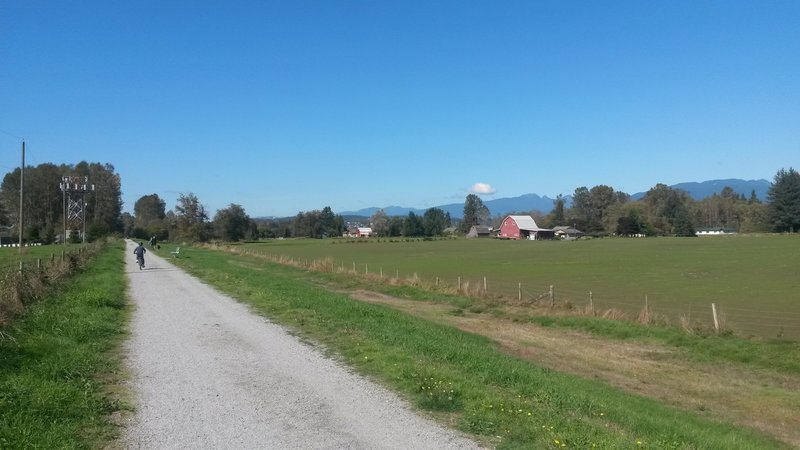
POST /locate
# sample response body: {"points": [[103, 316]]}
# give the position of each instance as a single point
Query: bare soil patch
{"points": [[755, 398]]}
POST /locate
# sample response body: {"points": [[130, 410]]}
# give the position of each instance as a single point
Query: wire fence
{"points": [[711, 316]]}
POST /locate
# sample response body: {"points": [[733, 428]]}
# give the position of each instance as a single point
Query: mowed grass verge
{"points": [[754, 280], [58, 360], [462, 378]]}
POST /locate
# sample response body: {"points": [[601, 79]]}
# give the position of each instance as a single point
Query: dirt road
{"points": [[208, 373]]}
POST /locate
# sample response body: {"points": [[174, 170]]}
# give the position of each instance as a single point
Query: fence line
{"points": [[653, 305]]}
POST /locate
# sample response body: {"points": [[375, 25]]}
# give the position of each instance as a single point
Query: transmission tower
{"points": [[74, 190]]}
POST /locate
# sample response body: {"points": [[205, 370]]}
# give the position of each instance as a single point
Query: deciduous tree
{"points": [[191, 218], [668, 211], [232, 223]]}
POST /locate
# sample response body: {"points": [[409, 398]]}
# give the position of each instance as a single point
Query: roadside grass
{"points": [[463, 378], [750, 278], [57, 361]]}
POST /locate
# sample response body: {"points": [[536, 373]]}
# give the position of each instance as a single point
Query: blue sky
{"points": [[291, 106]]}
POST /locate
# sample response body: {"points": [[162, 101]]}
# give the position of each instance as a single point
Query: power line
{"points": [[11, 134]]}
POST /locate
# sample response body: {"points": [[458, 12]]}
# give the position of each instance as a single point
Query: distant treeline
{"points": [[600, 210]]}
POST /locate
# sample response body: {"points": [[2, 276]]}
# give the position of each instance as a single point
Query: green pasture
{"points": [[753, 279], [11, 255]]}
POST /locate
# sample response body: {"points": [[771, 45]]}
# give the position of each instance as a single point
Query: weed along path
{"points": [[207, 373]]}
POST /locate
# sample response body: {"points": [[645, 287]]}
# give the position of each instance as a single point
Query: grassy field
{"points": [[11, 255], [753, 279], [461, 378], [57, 361]]}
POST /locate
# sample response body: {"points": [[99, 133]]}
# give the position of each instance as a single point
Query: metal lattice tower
{"points": [[74, 190]]}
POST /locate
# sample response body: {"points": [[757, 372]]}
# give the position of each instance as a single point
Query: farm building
{"points": [[523, 227], [565, 232], [356, 231], [714, 231], [363, 232], [479, 231]]}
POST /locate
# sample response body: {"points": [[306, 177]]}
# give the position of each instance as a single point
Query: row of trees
{"points": [[43, 201], [432, 223], [666, 211], [600, 210], [189, 221]]}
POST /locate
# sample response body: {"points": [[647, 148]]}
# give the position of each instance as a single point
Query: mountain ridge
{"points": [[544, 204]]}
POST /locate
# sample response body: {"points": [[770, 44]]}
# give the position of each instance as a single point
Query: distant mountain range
{"points": [[534, 202], [701, 190]]}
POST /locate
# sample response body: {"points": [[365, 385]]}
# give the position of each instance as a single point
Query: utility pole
{"points": [[21, 196]]}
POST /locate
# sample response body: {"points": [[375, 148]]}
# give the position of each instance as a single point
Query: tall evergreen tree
{"points": [[434, 222], [413, 226], [557, 216], [475, 213], [784, 201]]}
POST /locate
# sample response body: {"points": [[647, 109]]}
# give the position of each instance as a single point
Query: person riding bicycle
{"points": [[139, 252]]}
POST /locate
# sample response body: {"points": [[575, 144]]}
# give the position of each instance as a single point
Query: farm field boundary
{"points": [[753, 281]]}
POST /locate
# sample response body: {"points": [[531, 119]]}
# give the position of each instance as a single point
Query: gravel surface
{"points": [[208, 373]]}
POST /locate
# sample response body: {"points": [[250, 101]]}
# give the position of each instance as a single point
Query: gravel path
{"points": [[208, 373]]}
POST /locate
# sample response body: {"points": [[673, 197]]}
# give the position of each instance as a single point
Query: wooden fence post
{"points": [[519, 292], [552, 297], [716, 320], [591, 303], [484, 285], [459, 284]]}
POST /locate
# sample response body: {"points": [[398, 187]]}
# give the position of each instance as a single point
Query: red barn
{"points": [[523, 227]]}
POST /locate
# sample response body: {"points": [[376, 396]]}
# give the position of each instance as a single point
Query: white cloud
{"points": [[482, 189]]}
